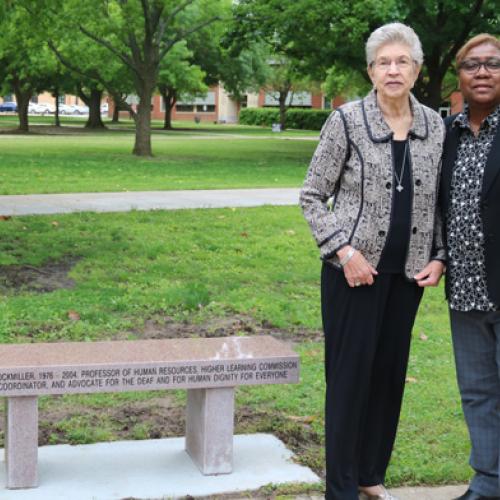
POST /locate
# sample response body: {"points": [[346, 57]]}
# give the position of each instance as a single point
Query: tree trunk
{"points": [[22, 98], [120, 104], [282, 101], [169, 96], [429, 92], [94, 120], [57, 120], [116, 112], [142, 146]]}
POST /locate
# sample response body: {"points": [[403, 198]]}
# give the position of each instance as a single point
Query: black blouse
{"points": [[396, 246], [466, 254]]}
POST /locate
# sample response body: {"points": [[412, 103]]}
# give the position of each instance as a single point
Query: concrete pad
{"points": [[39, 204], [430, 493], [154, 469]]}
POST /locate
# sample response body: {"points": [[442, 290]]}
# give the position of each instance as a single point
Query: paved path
{"points": [[37, 204], [413, 493], [435, 493]]}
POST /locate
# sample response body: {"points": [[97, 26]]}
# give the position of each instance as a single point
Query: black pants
{"points": [[367, 342]]}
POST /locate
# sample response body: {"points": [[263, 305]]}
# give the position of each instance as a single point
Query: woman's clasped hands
{"points": [[357, 270]]}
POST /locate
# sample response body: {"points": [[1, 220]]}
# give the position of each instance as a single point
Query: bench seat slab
{"points": [[209, 429], [21, 442]]}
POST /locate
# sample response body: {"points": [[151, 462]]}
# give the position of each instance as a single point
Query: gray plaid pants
{"points": [[476, 343]]}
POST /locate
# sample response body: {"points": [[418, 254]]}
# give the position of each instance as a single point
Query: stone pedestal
{"points": [[209, 429], [21, 442]]}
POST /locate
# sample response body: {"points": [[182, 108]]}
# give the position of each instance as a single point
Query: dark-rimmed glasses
{"points": [[472, 66]]}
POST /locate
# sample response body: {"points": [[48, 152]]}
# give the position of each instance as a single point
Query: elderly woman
{"points": [[380, 242]]}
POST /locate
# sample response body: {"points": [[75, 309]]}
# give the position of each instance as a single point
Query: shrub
{"points": [[259, 116], [303, 119]]}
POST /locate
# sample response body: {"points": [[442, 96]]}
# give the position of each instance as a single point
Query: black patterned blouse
{"points": [[466, 266]]}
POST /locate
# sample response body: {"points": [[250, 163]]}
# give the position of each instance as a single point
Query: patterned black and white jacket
{"points": [[354, 163]]}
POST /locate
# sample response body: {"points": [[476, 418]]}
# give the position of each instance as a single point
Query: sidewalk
{"points": [[414, 493], [434, 493], [40, 204]]}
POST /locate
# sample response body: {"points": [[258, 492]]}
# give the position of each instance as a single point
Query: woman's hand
{"points": [[430, 274], [357, 270]]}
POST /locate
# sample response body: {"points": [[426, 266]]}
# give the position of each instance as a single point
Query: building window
{"points": [[205, 104], [62, 99], [327, 103], [205, 108], [244, 101], [184, 108], [293, 99], [7, 98]]}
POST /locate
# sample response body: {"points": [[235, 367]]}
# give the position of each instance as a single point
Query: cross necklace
{"points": [[399, 178]]}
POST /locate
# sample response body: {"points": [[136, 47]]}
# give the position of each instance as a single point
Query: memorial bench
{"points": [[209, 368]]}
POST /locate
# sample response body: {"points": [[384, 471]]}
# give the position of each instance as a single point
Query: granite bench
{"points": [[209, 368]]}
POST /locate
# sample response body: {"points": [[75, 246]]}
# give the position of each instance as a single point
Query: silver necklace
{"points": [[399, 179]]}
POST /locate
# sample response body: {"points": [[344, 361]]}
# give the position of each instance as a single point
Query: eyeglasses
{"points": [[472, 66], [385, 64]]}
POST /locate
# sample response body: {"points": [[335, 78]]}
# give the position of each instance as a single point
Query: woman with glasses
{"points": [[470, 198], [378, 160]]}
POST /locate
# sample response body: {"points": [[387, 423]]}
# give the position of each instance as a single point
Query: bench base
{"points": [[209, 429], [209, 434], [21, 442]]}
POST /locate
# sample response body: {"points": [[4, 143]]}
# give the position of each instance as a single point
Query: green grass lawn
{"points": [[9, 122], [140, 269], [103, 162]]}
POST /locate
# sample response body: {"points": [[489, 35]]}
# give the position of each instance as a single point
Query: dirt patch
{"points": [[53, 275], [165, 327], [155, 418]]}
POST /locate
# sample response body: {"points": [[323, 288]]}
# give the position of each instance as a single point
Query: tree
{"points": [[443, 27], [332, 34], [316, 34], [285, 78], [134, 34], [25, 66], [178, 76], [140, 33], [60, 82], [346, 82]]}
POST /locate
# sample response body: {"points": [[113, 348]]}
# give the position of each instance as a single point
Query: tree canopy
{"points": [[328, 37]]}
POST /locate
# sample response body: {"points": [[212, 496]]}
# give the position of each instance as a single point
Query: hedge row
{"points": [[304, 119]]}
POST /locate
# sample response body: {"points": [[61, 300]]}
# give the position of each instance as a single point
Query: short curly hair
{"points": [[393, 33]]}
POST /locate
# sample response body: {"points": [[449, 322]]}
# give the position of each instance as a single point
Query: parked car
{"points": [[40, 108], [73, 109], [80, 110], [65, 109], [8, 106]]}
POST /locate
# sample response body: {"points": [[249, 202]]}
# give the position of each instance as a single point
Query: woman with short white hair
{"points": [[378, 160]]}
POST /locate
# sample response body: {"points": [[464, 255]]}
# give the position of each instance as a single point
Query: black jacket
{"points": [[490, 203]]}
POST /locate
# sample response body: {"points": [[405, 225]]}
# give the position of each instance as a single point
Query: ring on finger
{"points": [[357, 283]]}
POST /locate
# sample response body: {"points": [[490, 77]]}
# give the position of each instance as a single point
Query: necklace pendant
{"points": [[399, 187]]}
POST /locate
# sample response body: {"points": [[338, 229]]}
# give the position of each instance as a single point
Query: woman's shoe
{"points": [[385, 495]]}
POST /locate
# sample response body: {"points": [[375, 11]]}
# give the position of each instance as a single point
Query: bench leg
{"points": [[209, 429], [21, 442]]}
